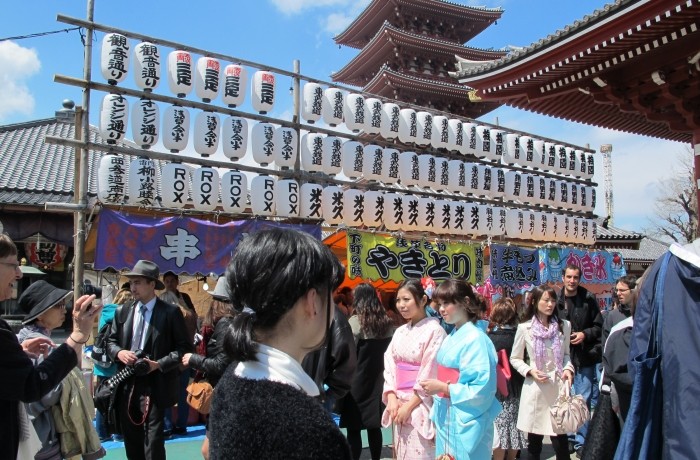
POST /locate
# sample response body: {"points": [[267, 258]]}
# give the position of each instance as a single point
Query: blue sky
{"points": [[275, 32]]}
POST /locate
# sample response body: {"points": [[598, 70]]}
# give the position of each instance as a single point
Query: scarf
{"points": [[540, 335]]}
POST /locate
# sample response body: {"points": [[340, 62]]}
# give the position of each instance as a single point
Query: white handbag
{"points": [[568, 412]]}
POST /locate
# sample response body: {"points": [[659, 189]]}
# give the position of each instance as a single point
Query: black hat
{"points": [[39, 297], [147, 269]]}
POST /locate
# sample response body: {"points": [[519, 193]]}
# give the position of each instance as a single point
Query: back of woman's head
{"points": [[503, 313], [460, 293], [374, 322], [413, 286], [217, 309], [123, 296], [270, 270]]}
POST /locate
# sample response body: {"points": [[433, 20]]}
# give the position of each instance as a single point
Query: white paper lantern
{"points": [[114, 59], [312, 102], [455, 135], [142, 182], [389, 128], [111, 179], [393, 211], [442, 171], [574, 197], [287, 198], [562, 160], [353, 207], [565, 229], [539, 159], [263, 91], [486, 180], [409, 169], [530, 229], [311, 202], [312, 152], [145, 121], [514, 186], [353, 158], [581, 166], [332, 106], [355, 112], [428, 171], [205, 189], [234, 137], [584, 198], [332, 155], [483, 142], [146, 66], [473, 185], [263, 143], [114, 116], [550, 152], [461, 220], [373, 163], [540, 190], [557, 227], [207, 76], [571, 162], [457, 180], [475, 219], [443, 217], [498, 183], [235, 81], [408, 126], [234, 192], [262, 195], [180, 73], [373, 212], [575, 236], [498, 144], [440, 133], [206, 133], [425, 128], [515, 223], [332, 205], [526, 151], [593, 231], [540, 226], [175, 185], [373, 114], [470, 139], [532, 150], [551, 227], [285, 152], [426, 214], [500, 217], [390, 170], [592, 201], [176, 128], [528, 185], [410, 213], [513, 154], [590, 162], [562, 200]]}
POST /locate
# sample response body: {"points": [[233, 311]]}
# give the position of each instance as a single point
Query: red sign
{"points": [[46, 254]]}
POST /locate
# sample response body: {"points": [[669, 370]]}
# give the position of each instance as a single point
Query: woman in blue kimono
{"points": [[465, 391]]}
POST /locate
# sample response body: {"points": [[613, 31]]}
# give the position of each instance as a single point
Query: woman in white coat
{"points": [[541, 355]]}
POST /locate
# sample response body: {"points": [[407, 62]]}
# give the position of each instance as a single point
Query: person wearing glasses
{"points": [[624, 287]]}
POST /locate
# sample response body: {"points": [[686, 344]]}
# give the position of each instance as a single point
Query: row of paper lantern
{"points": [[206, 76]]}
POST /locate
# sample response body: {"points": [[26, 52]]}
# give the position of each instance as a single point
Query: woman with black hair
{"points": [[545, 339], [264, 407]]}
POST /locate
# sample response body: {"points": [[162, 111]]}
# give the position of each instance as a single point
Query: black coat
{"points": [[215, 362], [584, 317], [21, 381]]}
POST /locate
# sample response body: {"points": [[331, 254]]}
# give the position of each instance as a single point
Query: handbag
{"points": [[199, 396], [503, 373], [603, 432], [569, 412]]}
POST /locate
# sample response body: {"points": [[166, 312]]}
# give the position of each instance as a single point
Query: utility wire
{"points": [[40, 34]]}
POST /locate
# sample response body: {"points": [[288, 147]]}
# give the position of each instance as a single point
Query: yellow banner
{"points": [[395, 258]]}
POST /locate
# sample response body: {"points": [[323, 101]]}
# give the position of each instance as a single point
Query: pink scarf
{"points": [[540, 335]]}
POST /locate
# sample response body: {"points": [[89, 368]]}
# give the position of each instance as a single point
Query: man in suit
{"points": [[158, 329]]}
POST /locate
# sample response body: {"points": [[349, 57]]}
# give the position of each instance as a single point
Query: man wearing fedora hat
{"points": [[158, 329]]}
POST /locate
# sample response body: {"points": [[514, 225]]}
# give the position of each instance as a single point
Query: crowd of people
{"points": [[286, 351]]}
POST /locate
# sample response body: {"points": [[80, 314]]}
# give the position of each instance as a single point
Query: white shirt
{"points": [[150, 305], [277, 366]]}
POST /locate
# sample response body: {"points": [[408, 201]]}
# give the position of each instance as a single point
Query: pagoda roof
{"points": [[387, 82], [385, 43], [631, 66], [470, 20]]}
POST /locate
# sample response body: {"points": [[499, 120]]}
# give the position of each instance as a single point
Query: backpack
{"points": [[99, 349]]}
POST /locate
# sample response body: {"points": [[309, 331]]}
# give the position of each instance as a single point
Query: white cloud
{"points": [[17, 64], [335, 23], [297, 6]]}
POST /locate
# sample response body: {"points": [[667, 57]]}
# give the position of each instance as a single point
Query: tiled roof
{"points": [[649, 250], [613, 233]]}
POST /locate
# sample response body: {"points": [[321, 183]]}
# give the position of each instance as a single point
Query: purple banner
{"points": [[180, 244], [511, 265]]}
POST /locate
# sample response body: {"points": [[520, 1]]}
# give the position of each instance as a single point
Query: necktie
{"points": [[136, 340]]}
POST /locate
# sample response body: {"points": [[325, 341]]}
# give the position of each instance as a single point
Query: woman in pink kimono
{"points": [[409, 360]]}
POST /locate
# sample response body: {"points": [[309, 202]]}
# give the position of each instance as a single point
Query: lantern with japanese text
{"points": [[428, 171], [573, 164], [457, 173], [550, 152], [373, 116], [287, 198], [263, 91], [529, 154], [262, 195], [442, 171], [498, 185], [205, 189], [144, 123], [353, 159], [373, 163], [584, 197], [540, 226], [513, 154], [235, 85], [486, 180], [575, 235], [408, 126], [332, 155], [582, 171], [514, 186], [312, 101], [332, 205], [410, 213], [441, 132], [426, 214], [590, 236], [443, 217], [529, 194], [473, 185], [234, 192], [498, 145], [574, 197], [557, 227], [590, 161], [111, 184], [592, 201], [311, 201], [560, 189], [562, 160], [175, 185], [206, 78], [540, 190], [285, 151], [114, 59], [425, 128], [409, 169], [551, 193], [530, 229], [484, 143], [234, 137], [393, 211], [455, 135], [390, 169], [332, 106], [475, 219], [565, 231], [142, 182], [373, 211], [355, 112], [206, 133], [515, 223], [470, 139], [114, 115], [551, 226], [389, 128], [539, 160], [461, 220], [46, 254], [146, 66], [353, 207], [180, 73], [263, 143], [312, 152], [176, 128], [494, 221]]}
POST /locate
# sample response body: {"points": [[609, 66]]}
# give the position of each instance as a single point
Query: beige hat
{"points": [[220, 291]]}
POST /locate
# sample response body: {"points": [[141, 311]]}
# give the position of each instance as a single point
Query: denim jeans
{"points": [[586, 385]]}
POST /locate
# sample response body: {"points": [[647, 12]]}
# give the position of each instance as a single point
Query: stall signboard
{"points": [[375, 257], [511, 265], [597, 267]]}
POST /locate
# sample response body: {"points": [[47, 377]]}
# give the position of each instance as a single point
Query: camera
{"points": [[89, 289]]}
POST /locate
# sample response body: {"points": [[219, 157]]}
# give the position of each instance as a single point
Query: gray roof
{"points": [[613, 233], [649, 250]]}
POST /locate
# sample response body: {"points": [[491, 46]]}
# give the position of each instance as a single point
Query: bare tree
{"points": [[676, 206]]}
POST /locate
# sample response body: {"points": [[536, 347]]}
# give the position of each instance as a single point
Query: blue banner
{"points": [[513, 265], [597, 267]]}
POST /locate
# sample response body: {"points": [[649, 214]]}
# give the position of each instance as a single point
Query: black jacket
{"points": [[215, 362], [21, 381], [585, 317], [503, 339]]}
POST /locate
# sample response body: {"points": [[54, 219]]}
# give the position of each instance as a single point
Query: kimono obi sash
{"points": [[406, 375], [447, 375]]}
